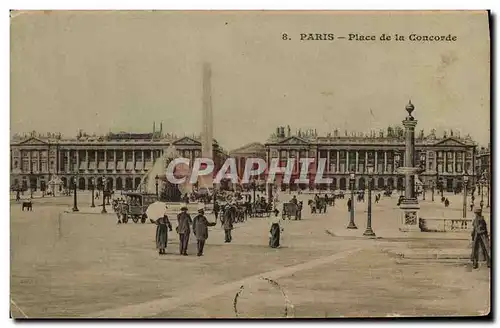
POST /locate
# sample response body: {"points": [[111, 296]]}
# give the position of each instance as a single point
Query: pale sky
{"points": [[113, 71]]}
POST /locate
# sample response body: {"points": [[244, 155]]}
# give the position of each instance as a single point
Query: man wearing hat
{"points": [[200, 229], [479, 238], [227, 221], [183, 229]]}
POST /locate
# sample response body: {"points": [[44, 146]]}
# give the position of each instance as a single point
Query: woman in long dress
{"points": [[163, 225], [275, 231]]}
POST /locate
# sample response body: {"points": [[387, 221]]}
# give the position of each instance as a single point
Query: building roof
{"points": [[250, 148], [352, 140]]}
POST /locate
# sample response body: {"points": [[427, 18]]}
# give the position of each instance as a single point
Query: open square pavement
{"points": [[86, 265]]}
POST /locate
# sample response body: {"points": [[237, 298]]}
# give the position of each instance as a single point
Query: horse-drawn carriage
{"points": [[134, 206], [259, 209]]}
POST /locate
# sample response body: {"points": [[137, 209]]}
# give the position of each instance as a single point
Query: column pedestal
{"points": [[409, 217]]}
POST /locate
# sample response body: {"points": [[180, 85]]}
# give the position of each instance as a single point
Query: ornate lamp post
{"points": [[464, 209], [369, 231], [397, 158], [103, 197], [409, 205], [92, 186], [75, 205], [156, 184], [352, 225], [482, 183], [422, 167]]}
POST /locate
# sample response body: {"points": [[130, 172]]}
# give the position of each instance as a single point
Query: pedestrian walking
{"points": [[275, 230], [183, 229], [227, 222], [200, 229], [216, 210], [446, 202], [479, 239], [163, 225]]}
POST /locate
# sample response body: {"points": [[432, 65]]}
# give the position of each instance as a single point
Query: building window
{"points": [[15, 164]]}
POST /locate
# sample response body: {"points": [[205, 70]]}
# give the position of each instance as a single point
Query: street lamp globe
{"points": [[351, 176]]}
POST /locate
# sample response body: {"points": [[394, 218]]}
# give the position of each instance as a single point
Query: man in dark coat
{"points": [[183, 229], [200, 229], [216, 210], [227, 222], [479, 239], [162, 226]]}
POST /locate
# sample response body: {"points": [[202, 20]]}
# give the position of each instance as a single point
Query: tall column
{"points": [[409, 205], [105, 160], [30, 168], [445, 161], [152, 156], [347, 168], [133, 160], [409, 160], [376, 162], [143, 163], [114, 161], [68, 161], [40, 161], [338, 162], [96, 161], [454, 170], [328, 161], [124, 154], [366, 162], [77, 160], [385, 161], [357, 162]]}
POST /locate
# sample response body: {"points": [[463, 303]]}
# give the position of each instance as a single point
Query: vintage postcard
{"points": [[249, 164]]}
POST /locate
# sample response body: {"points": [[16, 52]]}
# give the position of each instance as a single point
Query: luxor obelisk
{"points": [[207, 124]]}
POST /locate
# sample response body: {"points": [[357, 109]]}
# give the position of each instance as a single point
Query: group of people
{"points": [[199, 225]]}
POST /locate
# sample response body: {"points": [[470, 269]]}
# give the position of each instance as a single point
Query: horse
{"points": [[290, 209], [28, 205]]}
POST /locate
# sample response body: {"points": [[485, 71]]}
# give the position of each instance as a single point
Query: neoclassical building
{"points": [[122, 159], [241, 154], [445, 158], [483, 161]]}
